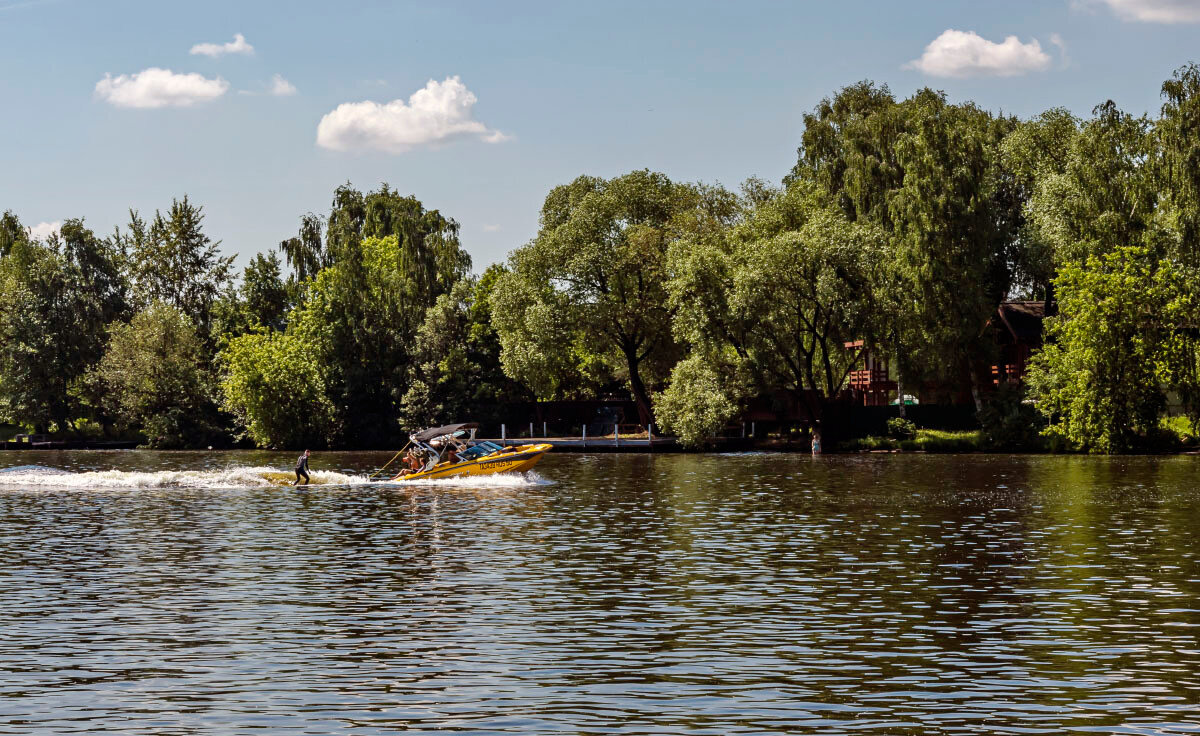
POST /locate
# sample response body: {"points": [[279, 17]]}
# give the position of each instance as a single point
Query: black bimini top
{"points": [[428, 434]]}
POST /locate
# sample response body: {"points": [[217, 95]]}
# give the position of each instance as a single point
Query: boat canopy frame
{"points": [[425, 435]]}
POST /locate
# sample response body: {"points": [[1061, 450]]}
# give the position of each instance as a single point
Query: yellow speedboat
{"points": [[453, 452]]}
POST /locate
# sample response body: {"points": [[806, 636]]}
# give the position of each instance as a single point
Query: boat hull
{"points": [[511, 460]]}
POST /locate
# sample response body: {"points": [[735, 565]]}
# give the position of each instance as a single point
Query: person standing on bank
{"points": [[302, 468]]}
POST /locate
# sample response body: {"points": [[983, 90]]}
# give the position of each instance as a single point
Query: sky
{"points": [[258, 110]]}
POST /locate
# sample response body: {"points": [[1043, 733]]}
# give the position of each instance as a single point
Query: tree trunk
{"points": [[638, 389], [975, 389]]}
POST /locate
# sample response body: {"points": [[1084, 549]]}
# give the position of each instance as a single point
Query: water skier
{"points": [[302, 468]]}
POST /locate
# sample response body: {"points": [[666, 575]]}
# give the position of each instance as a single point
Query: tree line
{"points": [[900, 228]]}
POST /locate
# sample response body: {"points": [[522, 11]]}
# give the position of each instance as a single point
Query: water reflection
{"points": [[637, 594]]}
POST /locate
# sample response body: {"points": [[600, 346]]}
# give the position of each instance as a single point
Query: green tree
{"points": [[1032, 152], [274, 385], [97, 270], [1121, 338], [389, 259], [770, 305], [264, 293], [928, 174], [175, 262], [1106, 195], [305, 253], [587, 296], [11, 232], [37, 315], [956, 220], [1178, 135], [457, 359], [156, 376], [56, 299]]}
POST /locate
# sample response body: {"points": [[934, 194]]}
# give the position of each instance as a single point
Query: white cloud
{"points": [[237, 46], [1152, 11], [438, 113], [43, 230], [491, 228], [281, 87], [1061, 45], [156, 87], [967, 54]]}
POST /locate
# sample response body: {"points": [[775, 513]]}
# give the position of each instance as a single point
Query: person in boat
{"points": [[411, 463], [302, 469], [451, 454]]}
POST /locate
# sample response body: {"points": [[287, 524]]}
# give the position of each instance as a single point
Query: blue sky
{"points": [[700, 91]]}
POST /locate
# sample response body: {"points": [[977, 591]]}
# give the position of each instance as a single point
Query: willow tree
{"points": [[385, 259], [586, 299], [928, 174], [770, 305]]}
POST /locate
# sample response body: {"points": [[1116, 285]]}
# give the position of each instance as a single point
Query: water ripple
{"points": [[633, 594]]}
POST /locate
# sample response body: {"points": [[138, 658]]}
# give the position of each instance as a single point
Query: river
{"points": [[170, 593]]}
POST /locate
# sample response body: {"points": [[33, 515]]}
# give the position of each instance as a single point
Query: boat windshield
{"points": [[478, 450]]}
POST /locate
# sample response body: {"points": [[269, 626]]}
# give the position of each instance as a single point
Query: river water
{"points": [[171, 593]]}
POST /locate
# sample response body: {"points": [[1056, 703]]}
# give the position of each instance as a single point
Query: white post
{"points": [[752, 433], [502, 430], [617, 435], [544, 432], [531, 430], [743, 430], [650, 432], [585, 435]]}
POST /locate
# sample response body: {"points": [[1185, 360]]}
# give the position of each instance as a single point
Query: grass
{"points": [[1182, 428], [927, 440]]}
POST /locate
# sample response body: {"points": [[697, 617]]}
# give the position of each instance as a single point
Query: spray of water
{"points": [[233, 477], [499, 480]]}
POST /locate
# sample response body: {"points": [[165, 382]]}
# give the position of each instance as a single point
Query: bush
{"points": [[1009, 423], [899, 428], [1183, 428], [697, 403]]}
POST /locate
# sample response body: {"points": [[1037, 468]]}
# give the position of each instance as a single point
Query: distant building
{"points": [[1017, 330], [870, 382]]}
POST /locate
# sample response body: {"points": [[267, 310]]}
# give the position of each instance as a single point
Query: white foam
{"points": [[499, 480], [236, 477]]}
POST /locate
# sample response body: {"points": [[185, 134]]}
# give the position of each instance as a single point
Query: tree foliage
{"points": [[586, 298], [390, 259], [274, 386], [1121, 339], [456, 354], [157, 376], [929, 175], [175, 262], [36, 318], [771, 305]]}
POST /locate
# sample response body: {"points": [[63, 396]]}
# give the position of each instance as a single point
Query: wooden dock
{"points": [[597, 444], [43, 442]]}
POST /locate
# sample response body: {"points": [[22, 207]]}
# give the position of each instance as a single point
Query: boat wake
{"points": [[36, 476], [527, 479], [28, 476]]}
